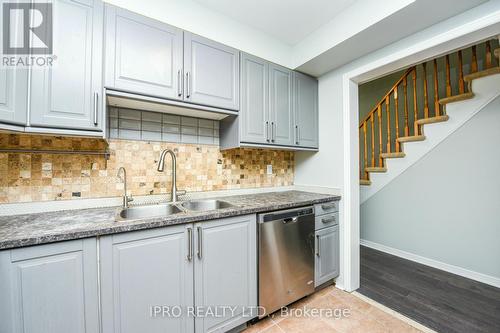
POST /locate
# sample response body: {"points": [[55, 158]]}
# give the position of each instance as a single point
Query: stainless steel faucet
{"points": [[161, 168], [126, 198]]}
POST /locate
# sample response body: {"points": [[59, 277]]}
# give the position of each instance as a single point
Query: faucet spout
{"points": [[126, 198], [161, 168]]}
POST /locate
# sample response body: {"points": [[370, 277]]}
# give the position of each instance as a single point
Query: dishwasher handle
{"points": [[291, 220]]}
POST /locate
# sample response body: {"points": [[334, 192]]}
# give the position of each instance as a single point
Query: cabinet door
{"points": [[327, 255], [13, 91], [69, 94], [306, 110], [142, 55], [225, 271], [254, 114], [50, 288], [144, 269], [281, 105], [211, 73]]}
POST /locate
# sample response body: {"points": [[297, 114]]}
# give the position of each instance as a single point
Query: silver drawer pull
{"points": [[96, 107], [199, 242], [179, 83], [328, 206], [190, 244], [328, 220], [318, 245]]}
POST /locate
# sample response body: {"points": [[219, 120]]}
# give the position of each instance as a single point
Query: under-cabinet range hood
{"points": [[121, 99]]}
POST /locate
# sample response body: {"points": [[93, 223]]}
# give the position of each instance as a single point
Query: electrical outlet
{"points": [[269, 169]]}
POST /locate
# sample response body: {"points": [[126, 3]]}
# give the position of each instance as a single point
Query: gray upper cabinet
{"points": [[13, 91], [13, 95], [327, 255], [142, 55], [68, 94], [281, 105], [254, 113], [144, 269], [50, 288], [211, 73], [226, 271], [306, 110]]}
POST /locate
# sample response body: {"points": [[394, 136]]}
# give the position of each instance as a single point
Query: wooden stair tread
{"points": [[376, 169], [365, 182], [486, 72], [433, 120], [456, 98], [393, 155], [411, 138]]}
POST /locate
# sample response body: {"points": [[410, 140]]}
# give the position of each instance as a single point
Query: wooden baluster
{"points": [[473, 67], [415, 106], [461, 85], [388, 109], [373, 139], [488, 55], [396, 115], [448, 77], [405, 91], [426, 97], [436, 88], [366, 151], [379, 112]]}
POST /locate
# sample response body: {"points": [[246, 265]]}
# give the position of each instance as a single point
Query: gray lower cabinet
{"points": [[211, 73], [68, 95], [281, 105], [144, 269], [254, 113], [327, 255], [306, 110], [205, 266], [226, 271], [50, 288], [142, 55]]}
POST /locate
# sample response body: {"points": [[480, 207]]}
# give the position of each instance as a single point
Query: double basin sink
{"points": [[138, 212]]}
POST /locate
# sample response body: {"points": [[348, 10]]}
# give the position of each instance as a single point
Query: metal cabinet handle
{"points": [[200, 232], [275, 130], [96, 107], [179, 83], [328, 220], [267, 131], [328, 206], [296, 134], [272, 131], [190, 244], [188, 85], [317, 245]]}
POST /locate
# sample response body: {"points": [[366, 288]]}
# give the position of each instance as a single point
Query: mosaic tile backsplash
{"points": [[200, 167]]}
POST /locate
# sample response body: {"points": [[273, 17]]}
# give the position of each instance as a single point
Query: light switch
{"points": [[269, 169]]}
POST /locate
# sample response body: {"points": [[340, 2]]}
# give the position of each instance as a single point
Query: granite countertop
{"points": [[41, 228]]}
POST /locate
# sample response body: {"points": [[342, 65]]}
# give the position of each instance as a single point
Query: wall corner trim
{"points": [[480, 277]]}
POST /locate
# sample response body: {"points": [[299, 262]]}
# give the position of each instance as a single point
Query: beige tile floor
{"points": [[361, 317]]}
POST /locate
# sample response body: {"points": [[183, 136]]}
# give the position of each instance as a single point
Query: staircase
{"points": [[428, 103]]}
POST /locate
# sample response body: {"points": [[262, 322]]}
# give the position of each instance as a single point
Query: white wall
{"points": [[326, 167], [446, 207]]}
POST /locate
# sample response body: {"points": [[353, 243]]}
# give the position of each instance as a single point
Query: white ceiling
{"points": [[287, 20]]}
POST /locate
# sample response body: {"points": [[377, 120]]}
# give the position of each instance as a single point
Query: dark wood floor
{"points": [[439, 300]]}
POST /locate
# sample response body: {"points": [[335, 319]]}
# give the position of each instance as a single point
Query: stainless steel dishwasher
{"points": [[286, 257]]}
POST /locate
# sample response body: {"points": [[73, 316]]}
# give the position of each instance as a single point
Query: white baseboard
{"points": [[480, 277]]}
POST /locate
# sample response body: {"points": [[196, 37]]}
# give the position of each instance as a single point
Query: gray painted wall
{"points": [[446, 206]]}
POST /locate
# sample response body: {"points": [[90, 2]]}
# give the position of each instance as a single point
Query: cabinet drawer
{"points": [[326, 221], [326, 208]]}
